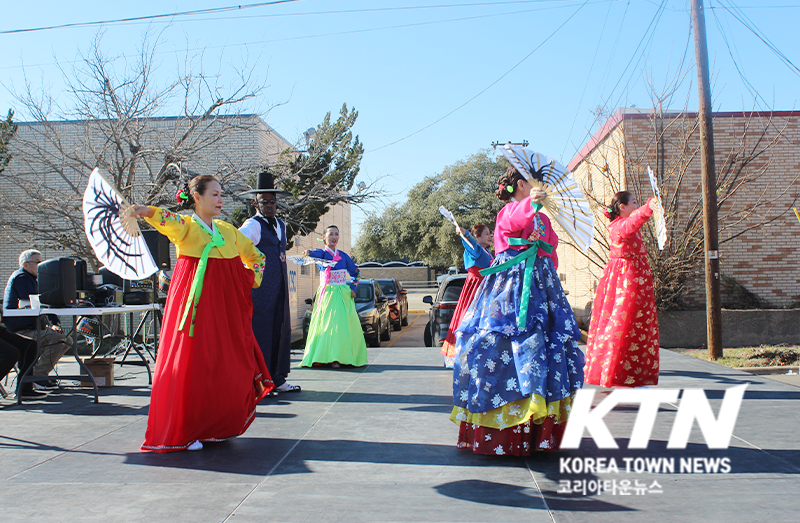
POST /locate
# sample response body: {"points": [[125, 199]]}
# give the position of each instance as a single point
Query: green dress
{"points": [[335, 333]]}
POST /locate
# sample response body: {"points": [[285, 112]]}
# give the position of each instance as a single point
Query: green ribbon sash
{"points": [[528, 257], [197, 284]]}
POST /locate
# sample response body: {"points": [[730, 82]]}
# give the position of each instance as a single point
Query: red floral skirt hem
{"points": [[520, 440]]}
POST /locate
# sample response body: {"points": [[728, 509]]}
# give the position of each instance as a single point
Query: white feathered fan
{"points": [[113, 233]]}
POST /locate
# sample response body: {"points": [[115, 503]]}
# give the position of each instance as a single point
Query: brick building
{"points": [[59, 170], [757, 164]]}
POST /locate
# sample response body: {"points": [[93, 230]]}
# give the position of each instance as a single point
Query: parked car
{"points": [[450, 271], [398, 301], [442, 308], [373, 313]]}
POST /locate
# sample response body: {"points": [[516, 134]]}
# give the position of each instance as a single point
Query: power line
{"points": [[588, 78], [749, 86], [150, 17], [614, 47], [766, 41], [139, 19], [377, 10], [649, 31], [487, 87], [339, 33]]}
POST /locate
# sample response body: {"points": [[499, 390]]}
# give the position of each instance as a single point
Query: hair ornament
{"points": [[502, 187], [183, 194], [510, 189], [607, 211]]}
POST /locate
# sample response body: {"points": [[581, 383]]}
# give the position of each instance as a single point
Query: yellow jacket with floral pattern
{"points": [[190, 238]]}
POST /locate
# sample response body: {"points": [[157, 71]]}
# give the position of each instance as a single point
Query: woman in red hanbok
{"points": [[210, 372], [622, 347]]}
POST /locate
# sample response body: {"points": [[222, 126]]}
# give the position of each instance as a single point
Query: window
{"points": [[387, 287], [364, 293], [453, 290]]}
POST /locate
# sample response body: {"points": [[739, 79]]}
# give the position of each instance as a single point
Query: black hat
{"points": [[266, 184]]}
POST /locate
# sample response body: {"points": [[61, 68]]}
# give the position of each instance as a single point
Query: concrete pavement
{"points": [[376, 444]]}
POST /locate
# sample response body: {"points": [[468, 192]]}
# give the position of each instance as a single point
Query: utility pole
{"points": [[713, 304]]}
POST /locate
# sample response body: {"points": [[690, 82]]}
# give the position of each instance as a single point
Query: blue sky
{"points": [[506, 70]]}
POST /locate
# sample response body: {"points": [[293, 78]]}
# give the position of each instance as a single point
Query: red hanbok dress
{"points": [[622, 347], [210, 372]]}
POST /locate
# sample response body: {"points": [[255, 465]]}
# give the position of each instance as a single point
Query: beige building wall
{"points": [[401, 274]]}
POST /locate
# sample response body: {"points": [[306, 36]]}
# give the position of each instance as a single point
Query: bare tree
{"points": [[113, 117]]}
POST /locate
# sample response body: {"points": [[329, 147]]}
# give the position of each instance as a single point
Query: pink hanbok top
{"points": [[519, 220]]}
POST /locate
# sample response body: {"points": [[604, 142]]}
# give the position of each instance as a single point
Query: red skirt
{"points": [[467, 293], [519, 440], [623, 344], [206, 387]]}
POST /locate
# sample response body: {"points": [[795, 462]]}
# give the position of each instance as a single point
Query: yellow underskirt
{"points": [[516, 413]]}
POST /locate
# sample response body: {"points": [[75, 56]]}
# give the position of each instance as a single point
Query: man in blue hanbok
{"points": [[272, 322]]}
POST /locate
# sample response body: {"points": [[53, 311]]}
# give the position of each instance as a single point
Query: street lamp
{"points": [[308, 134]]}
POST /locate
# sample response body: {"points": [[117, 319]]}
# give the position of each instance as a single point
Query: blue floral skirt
{"points": [[505, 376]]}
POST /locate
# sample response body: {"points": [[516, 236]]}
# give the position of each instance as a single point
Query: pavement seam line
{"points": [[539, 489], [296, 443], [788, 463], [405, 331], [67, 451]]}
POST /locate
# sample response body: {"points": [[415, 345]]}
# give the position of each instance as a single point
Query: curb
{"points": [[759, 371]]}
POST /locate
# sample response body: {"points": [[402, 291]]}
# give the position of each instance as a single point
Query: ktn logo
{"points": [[694, 405]]}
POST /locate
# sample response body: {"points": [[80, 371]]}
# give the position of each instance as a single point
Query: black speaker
{"points": [[57, 282], [82, 276], [159, 248], [110, 278], [138, 297]]}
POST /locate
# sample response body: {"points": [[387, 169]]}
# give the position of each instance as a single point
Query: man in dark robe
{"points": [[272, 323]]}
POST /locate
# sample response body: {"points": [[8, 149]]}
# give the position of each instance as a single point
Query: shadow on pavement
{"points": [[367, 397], [237, 456], [502, 494]]}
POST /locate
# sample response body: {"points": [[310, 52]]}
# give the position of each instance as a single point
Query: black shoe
{"points": [[30, 394], [45, 385]]}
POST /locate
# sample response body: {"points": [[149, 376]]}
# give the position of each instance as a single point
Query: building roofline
{"points": [[631, 113], [170, 118]]}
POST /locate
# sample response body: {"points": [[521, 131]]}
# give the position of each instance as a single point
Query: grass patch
{"points": [[762, 356]]}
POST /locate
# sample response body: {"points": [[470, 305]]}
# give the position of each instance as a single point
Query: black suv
{"points": [[373, 312], [442, 308]]}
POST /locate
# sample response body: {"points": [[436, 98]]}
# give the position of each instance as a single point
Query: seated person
{"points": [[17, 349], [20, 286]]}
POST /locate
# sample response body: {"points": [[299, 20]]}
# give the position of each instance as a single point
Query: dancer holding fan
{"points": [[207, 336], [622, 347], [476, 257], [517, 363], [335, 335]]}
